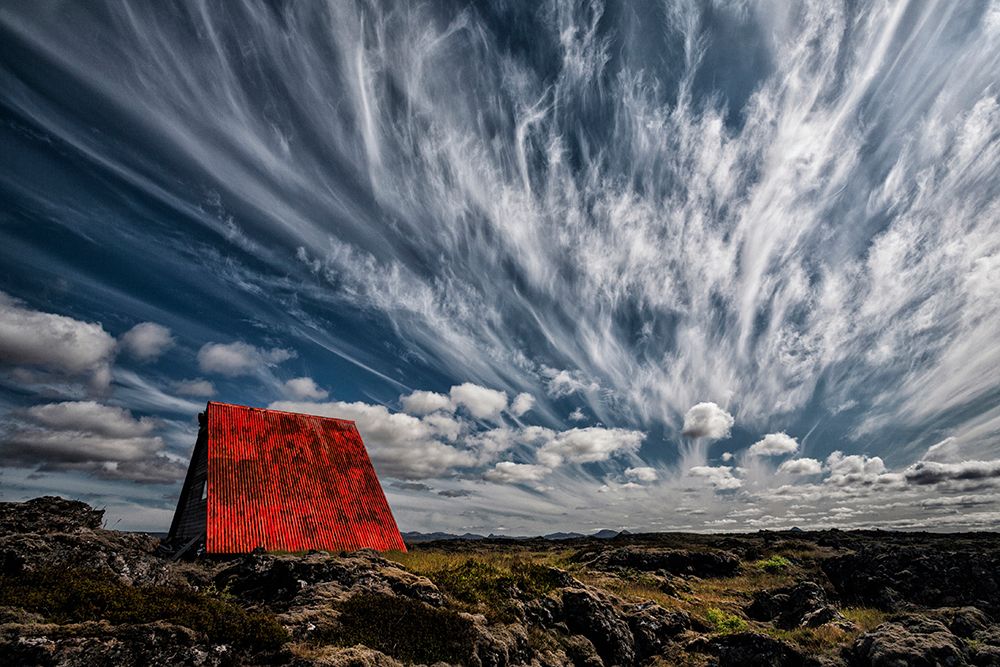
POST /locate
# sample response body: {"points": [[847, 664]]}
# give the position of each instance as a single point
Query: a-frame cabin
{"points": [[281, 481]]}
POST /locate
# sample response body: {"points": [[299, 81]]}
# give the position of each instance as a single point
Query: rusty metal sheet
{"points": [[291, 482]]}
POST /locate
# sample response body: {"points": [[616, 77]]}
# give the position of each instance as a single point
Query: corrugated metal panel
{"points": [[291, 482]]}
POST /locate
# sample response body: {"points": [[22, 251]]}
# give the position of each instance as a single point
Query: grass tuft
{"points": [[773, 564], [723, 622]]}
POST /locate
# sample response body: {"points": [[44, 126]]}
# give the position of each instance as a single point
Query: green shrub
{"points": [[403, 628], [68, 595], [774, 564], [724, 622]]}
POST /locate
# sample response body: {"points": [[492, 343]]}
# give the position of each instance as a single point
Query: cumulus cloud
{"points": [[588, 445], [803, 466], [707, 420], [54, 342], [199, 387], [236, 359], [508, 472], [577, 416], [774, 444], [644, 474], [425, 402], [481, 402], [720, 477], [304, 388], [853, 469], [521, 404], [146, 341], [91, 437], [400, 445]]}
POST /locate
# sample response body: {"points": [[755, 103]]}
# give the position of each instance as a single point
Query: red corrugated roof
{"points": [[291, 482]]}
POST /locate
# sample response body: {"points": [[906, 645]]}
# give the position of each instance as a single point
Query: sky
{"points": [[713, 265]]}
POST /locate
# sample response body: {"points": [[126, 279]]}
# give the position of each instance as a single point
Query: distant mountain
{"points": [[607, 534], [563, 536], [414, 537]]}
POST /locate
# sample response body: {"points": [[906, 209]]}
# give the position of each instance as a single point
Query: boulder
{"points": [[751, 649], [802, 605], [48, 515], [587, 613], [653, 627], [909, 641], [277, 580]]}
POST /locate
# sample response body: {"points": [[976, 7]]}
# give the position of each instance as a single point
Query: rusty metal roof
{"points": [[291, 482]]}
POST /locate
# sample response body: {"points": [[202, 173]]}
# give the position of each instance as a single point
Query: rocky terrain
{"points": [[72, 593]]}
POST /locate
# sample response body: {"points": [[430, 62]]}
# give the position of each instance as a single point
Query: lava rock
{"points": [[673, 561], [587, 614], [653, 627], [750, 649], [97, 643], [802, 605], [279, 579], [48, 515], [911, 641], [888, 576]]}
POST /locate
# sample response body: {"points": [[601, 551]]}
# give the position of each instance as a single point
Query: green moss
{"points": [[403, 628], [724, 622], [773, 564], [68, 595], [495, 586]]}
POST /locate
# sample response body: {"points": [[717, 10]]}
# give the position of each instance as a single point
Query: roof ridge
{"points": [[283, 412]]}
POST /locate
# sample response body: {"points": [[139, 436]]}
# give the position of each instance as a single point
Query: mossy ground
{"points": [[405, 629], [69, 595]]}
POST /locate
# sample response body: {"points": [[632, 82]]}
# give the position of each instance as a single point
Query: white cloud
{"points": [[948, 450], [560, 383], [588, 445], [305, 388], [90, 416], [707, 420], [521, 404], [400, 445], [425, 402], [54, 342], [803, 466], [774, 444], [146, 341], [644, 474], [481, 402], [235, 359], [853, 469], [198, 387], [720, 477], [91, 437], [508, 472], [577, 416]]}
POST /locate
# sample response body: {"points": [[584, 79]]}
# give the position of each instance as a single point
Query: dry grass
{"points": [[821, 640], [866, 618]]}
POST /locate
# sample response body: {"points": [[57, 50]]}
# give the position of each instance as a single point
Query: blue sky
{"points": [[709, 265]]}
